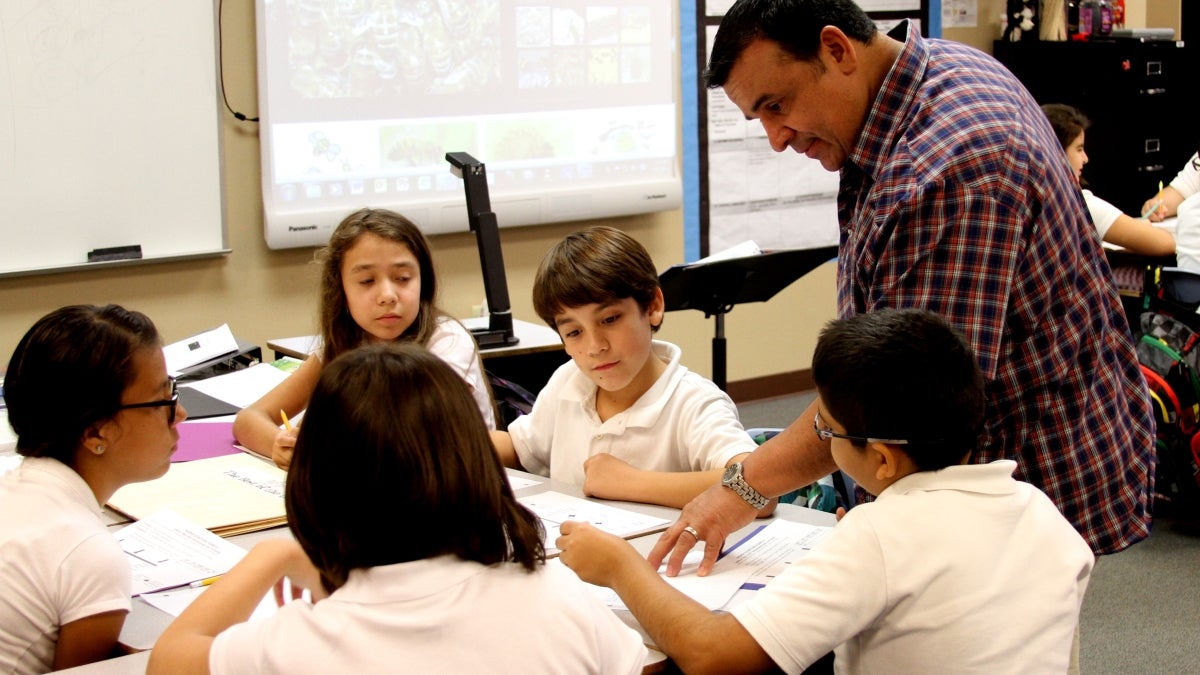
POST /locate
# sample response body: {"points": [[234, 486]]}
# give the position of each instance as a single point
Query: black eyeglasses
{"points": [[825, 434], [170, 403]]}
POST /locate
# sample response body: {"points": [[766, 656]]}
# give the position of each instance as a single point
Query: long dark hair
{"points": [[393, 463], [338, 329], [67, 374]]}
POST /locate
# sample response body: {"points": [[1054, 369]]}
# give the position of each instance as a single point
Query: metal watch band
{"points": [[743, 489]]}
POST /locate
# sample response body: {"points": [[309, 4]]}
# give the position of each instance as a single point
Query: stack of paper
{"points": [[228, 495]]}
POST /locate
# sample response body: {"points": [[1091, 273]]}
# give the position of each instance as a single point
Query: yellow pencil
{"points": [[287, 424], [204, 582]]}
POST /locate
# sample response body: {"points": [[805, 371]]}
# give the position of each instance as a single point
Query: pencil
{"points": [[1157, 201], [204, 582], [287, 424]]}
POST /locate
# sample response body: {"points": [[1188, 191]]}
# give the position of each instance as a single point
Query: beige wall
{"points": [[264, 294]]}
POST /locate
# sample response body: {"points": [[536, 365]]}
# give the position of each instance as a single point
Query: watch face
{"points": [[731, 472]]}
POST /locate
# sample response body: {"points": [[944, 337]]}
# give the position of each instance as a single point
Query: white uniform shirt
{"points": [[453, 344], [1187, 181], [58, 562], [1103, 213], [682, 423], [1187, 234], [962, 570], [441, 615]]}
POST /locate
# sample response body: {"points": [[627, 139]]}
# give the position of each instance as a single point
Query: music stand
{"points": [[715, 287]]}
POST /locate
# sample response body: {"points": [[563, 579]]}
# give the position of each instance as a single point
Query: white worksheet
{"points": [[554, 508]]}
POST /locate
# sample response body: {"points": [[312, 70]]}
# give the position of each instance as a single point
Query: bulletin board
{"points": [[109, 134], [745, 189]]}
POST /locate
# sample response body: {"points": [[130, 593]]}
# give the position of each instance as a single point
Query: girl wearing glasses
{"points": [[411, 530], [93, 409]]}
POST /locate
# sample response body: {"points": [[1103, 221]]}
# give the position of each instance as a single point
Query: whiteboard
{"points": [[109, 132]]}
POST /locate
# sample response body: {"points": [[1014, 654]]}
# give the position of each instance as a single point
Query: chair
{"points": [[826, 494]]}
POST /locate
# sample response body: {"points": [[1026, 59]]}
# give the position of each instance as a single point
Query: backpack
{"points": [[1168, 350]]}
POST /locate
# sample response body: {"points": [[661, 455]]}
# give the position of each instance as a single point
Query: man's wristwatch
{"points": [[734, 481]]}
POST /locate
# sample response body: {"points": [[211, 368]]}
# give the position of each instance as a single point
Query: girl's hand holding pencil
{"points": [[1153, 209], [285, 443]]}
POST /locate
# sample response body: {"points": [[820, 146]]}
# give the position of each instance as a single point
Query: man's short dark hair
{"points": [[794, 24]]}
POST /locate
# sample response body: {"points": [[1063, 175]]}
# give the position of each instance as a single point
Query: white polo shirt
{"points": [[1103, 213], [963, 570], [453, 344], [58, 562], [440, 615], [1187, 181], [682, 423]]}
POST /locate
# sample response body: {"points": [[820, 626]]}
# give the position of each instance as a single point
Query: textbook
{"points": [[228, 495]]}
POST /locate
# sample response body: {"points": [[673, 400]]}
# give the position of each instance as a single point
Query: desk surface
{"points": [[532, 338], [145, 622]]}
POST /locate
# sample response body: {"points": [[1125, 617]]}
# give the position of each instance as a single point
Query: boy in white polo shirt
{"points": [[955, 568], [624, 419]]}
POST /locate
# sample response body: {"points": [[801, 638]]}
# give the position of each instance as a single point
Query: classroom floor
{"points": [[1142, 609]]}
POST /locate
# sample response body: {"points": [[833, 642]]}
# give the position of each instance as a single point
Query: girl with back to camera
{"points": [[93, 408], [377, 285], [418, 555]]}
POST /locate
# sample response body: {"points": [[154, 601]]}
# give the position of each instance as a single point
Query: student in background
{"points": [[1133, 234], [624, 419], [410, 540], [955, 568], [377, 285], [1182, 199], [93, 409], [1186, 185]]}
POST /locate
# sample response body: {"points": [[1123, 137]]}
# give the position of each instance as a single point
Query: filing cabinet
{"points": [[1134, 93]]}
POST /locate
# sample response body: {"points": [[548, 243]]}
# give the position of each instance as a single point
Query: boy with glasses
{"points": [[956, 567]]}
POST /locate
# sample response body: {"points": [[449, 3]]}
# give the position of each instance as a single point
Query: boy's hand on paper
{"points": [[282, 447], [595, 556], [604, 476]]}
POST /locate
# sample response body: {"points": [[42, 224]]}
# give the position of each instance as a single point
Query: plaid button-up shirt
{"points": [[957, 199]]}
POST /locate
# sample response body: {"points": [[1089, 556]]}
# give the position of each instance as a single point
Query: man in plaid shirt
{"points": [[954, 198]]}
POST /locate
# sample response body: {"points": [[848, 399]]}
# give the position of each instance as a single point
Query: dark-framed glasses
{"points": [[825, 434], [171, 404]]}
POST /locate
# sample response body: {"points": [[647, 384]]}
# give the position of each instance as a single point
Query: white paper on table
{"points": [[199, 348], [770, 550], [712, 591], [174, 602], [554, 508], [520, 482], [166, 549], [242, 387], [750, 564]]}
